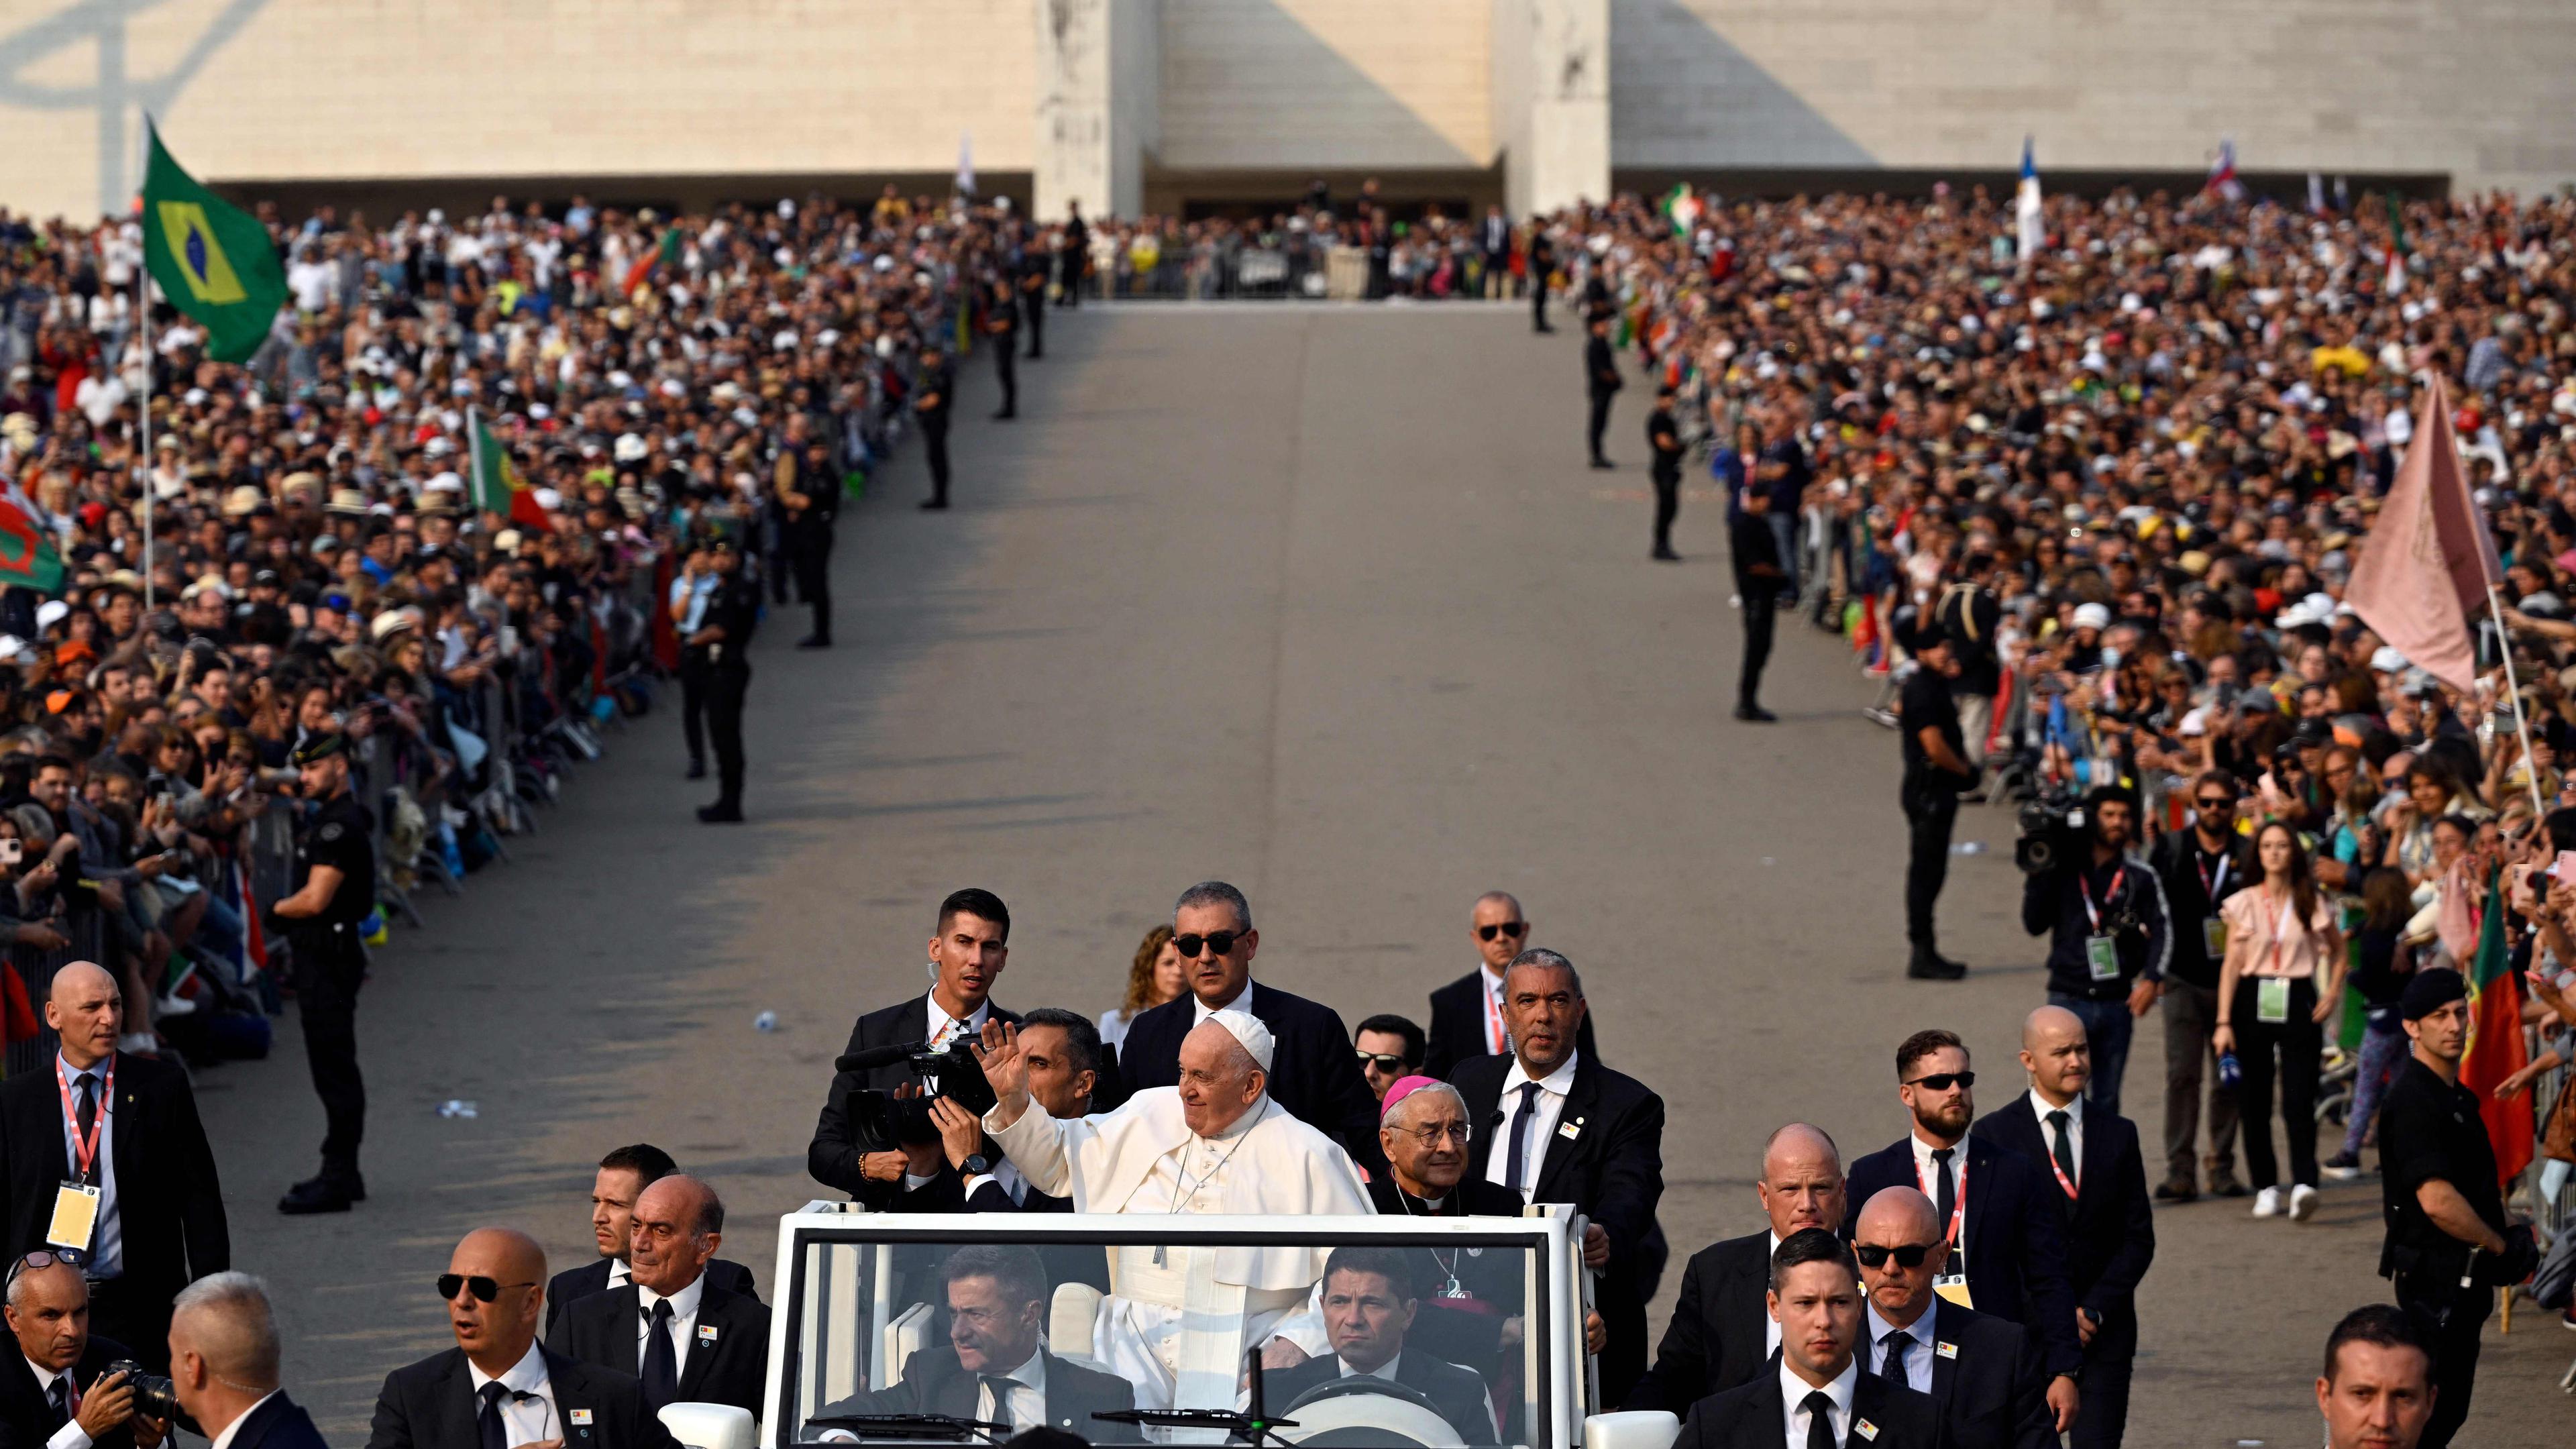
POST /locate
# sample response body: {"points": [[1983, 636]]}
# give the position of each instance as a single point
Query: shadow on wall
{"points": [[113, 94], [1687, 98], [1251, 86]]}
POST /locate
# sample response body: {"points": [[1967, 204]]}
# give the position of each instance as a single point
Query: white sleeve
{"points": [[70, 1436], [1039, 1146]]}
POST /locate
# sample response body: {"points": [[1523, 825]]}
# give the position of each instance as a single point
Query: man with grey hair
{"points": [[1315, 1078], [224, 1366]]}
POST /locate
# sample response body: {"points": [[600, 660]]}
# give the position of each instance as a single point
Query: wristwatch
{"points": [[975, 1166]]}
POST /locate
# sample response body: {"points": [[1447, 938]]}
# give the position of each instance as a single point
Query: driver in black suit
{"points": [[996, 1367], [1369, 1302]]}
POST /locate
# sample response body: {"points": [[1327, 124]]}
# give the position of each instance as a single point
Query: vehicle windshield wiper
{"points": [[914, 1426]]}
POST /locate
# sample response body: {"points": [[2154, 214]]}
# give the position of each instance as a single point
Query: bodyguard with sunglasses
{"points": [[499, 1388], [1314, 1074], [1984, 1374], [1467, 1014]]}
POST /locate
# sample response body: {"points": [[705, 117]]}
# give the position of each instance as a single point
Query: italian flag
{"points": [[498, 486], [2496, 1050]]}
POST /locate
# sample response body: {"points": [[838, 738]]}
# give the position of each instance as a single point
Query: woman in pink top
{"points": [[2281, 981]]}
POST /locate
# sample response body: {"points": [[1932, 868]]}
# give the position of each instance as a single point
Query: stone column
{"points": [[1551, 89], [1099, 79]]}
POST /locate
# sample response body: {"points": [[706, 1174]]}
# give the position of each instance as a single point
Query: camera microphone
{"points": [[870, 1058]]}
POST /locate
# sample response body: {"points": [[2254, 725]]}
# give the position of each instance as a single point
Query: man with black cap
{"points": [[336, 887], [934, 384], [723, 640], [1936, 770], [2449, 1246]]}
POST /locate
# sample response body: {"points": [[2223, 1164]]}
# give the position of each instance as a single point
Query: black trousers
{"points": [[1036, 310], [1929, 814], [2450, 1317], [813, 553], [934, 445], [1668, 505], [1006, 365], [1759, 611], [693, 702], [1600, 421], [1538, 305], [727, 682], [2102, 1386], [2297, 1042], [134, 1315], [330, 965]]}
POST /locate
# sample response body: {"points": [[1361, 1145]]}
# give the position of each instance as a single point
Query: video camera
{"points": [[885, 1121], [2055, 832]]}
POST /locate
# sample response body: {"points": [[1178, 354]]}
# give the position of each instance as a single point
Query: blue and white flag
{"points": [[2030, 230]]}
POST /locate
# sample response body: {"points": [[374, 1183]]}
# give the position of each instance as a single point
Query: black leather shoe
{"points": [[1929, 967], [813, 641], [315, 1195], [1665, 555], [1603, 464], [2229, 1187], [2178, 1189], [1004, 416], [934, 504], [1755, 714], [697, 770], [720, 814]]}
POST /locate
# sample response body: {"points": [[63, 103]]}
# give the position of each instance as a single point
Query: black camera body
{"points": [[885, 1121], [2055, 833], [154, 1396]]}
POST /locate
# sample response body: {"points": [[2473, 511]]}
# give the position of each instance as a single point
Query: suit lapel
{"points": [[573, 1391], [1980, 1166], [703, 1350], [1582, 1101], [625, 1328], [1945, 1368]]}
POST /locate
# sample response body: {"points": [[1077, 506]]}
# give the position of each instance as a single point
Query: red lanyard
{"points": [[2209, 884], [2108, 896], [1959, 1209], [1496, 1036], [85, 1151], [2060, 1171], [2281, 929]]}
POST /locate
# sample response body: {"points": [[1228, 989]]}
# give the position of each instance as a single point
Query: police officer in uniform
{"points": [[1601, 381], [811, 503], [1033, 279], [1002, 324], [1936, 770], [933, 387], [2449, 1246], [1541, 262], [335, 862], [1664, 438], [1756, 555], [723, 640]]}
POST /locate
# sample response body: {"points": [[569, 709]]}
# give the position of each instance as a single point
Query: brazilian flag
{"points": [[212, 259]]}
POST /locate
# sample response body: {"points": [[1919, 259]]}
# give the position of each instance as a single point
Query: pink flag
{"points": [[2422, 579]]}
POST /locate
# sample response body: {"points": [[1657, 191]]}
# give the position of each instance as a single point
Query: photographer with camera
{"points": [[2110, 935], [71, 1389]]}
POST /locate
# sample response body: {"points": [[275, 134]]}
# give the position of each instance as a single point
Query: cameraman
{"points": [[2110, 936], [60, 1393]]}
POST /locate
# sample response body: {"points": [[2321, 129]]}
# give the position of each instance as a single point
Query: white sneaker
{"points": [[2267, 1203], [2303, 1203]]}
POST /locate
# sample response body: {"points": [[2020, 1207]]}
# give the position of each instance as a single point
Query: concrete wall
{"points": [[1296, 84], [2471, 88]]}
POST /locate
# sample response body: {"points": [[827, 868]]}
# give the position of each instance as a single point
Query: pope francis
{"points": [[1178, 1318]]}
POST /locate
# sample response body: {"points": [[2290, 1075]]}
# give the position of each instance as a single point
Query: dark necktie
{"points": [[494, 1435], [87, 1116], [1946, 1200], [1893, 1368], [60, 1396], [661, 1374], [1820, 1420], [999, 1388], [1515, 1167], [2061, 1146]]}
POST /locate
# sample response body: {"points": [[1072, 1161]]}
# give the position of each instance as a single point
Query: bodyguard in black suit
{"points": [[995, 1366], [224, 1362], [685, 1341], [2108, 1219], [1467, 1014], [1813, 1394], [1315, 1074], [1983, 1373], [278, 1423], [968, 950], [1573, 1131], [498, 1376], [48, 1331], [572, 1285], [1370, 1301], [161, 1220], [1721, 1333], [622, 1177], [2010, 1240]]}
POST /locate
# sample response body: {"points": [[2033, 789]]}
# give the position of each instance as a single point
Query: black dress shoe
{"points": [[1603, 464], [2229, 1187], [1928, 967], [1665, 555], [720, 814], [315, 1195], [934, 503], [1755, 714], [697, 770], [814, 641], [2178, 1189], [1004, 416]]}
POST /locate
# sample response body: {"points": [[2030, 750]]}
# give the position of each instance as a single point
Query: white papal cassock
{"points": [[1178, 1319]]}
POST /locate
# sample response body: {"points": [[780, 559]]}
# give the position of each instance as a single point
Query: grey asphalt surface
{"points": [[1321, 601]]}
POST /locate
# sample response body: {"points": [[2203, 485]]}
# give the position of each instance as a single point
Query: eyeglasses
{"points": [[2217, 802], [1875, 1255], [1218, 943], [1940, 1081], [1430, 1136], [1383, 1061], [484, 1289], [44, 1257], [1513, 929]]}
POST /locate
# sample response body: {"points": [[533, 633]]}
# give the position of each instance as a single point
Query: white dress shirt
{"points": [[1027, 1409], [684, 1321], [2074, 1110], [941, 1021], [107, 1241], [1539, 1130], [1931, 1185], [619, 1274], [224, 1440], [1793, 1402], [1770, 1325], [1385, 1370], [528, 1419], [1200, 1011], [1918, 1354], [71, 1435]]}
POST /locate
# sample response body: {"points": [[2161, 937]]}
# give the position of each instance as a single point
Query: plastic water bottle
{"points": [[2230, 1070], [766, 1021], [454, 1107]]}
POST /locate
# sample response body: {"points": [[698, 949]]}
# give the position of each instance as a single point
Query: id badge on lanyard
{"points": [[77, 1204], [2101, 956], [1952, 1281], [2272, 993], [2213, 931]]}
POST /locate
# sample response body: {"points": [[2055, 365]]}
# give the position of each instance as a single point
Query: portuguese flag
{"points": [[498, 486], [2496, 1048], [27, 556], [664, 256]]}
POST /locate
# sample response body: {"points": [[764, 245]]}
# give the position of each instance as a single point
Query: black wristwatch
{"points": [[975, 1166]]}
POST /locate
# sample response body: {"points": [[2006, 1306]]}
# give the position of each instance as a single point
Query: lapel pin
{"points": [[707, 1332], [1570, 1130], [579, 1416], [1946, 1350], [1865, 1429]]}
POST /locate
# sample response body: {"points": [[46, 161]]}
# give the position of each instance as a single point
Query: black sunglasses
{"points": [[1940, 1081], [1875, 1255], [1382, 1061], [2217, 802], [484, 1289], [1512, 929], [1218, 943]]}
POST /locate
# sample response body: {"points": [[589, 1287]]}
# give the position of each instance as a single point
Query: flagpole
{"points": [[143, 338], [2495, 611]]}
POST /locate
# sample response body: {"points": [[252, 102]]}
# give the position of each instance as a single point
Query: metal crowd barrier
{"points": [[1292, 270], [87, 933]]}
